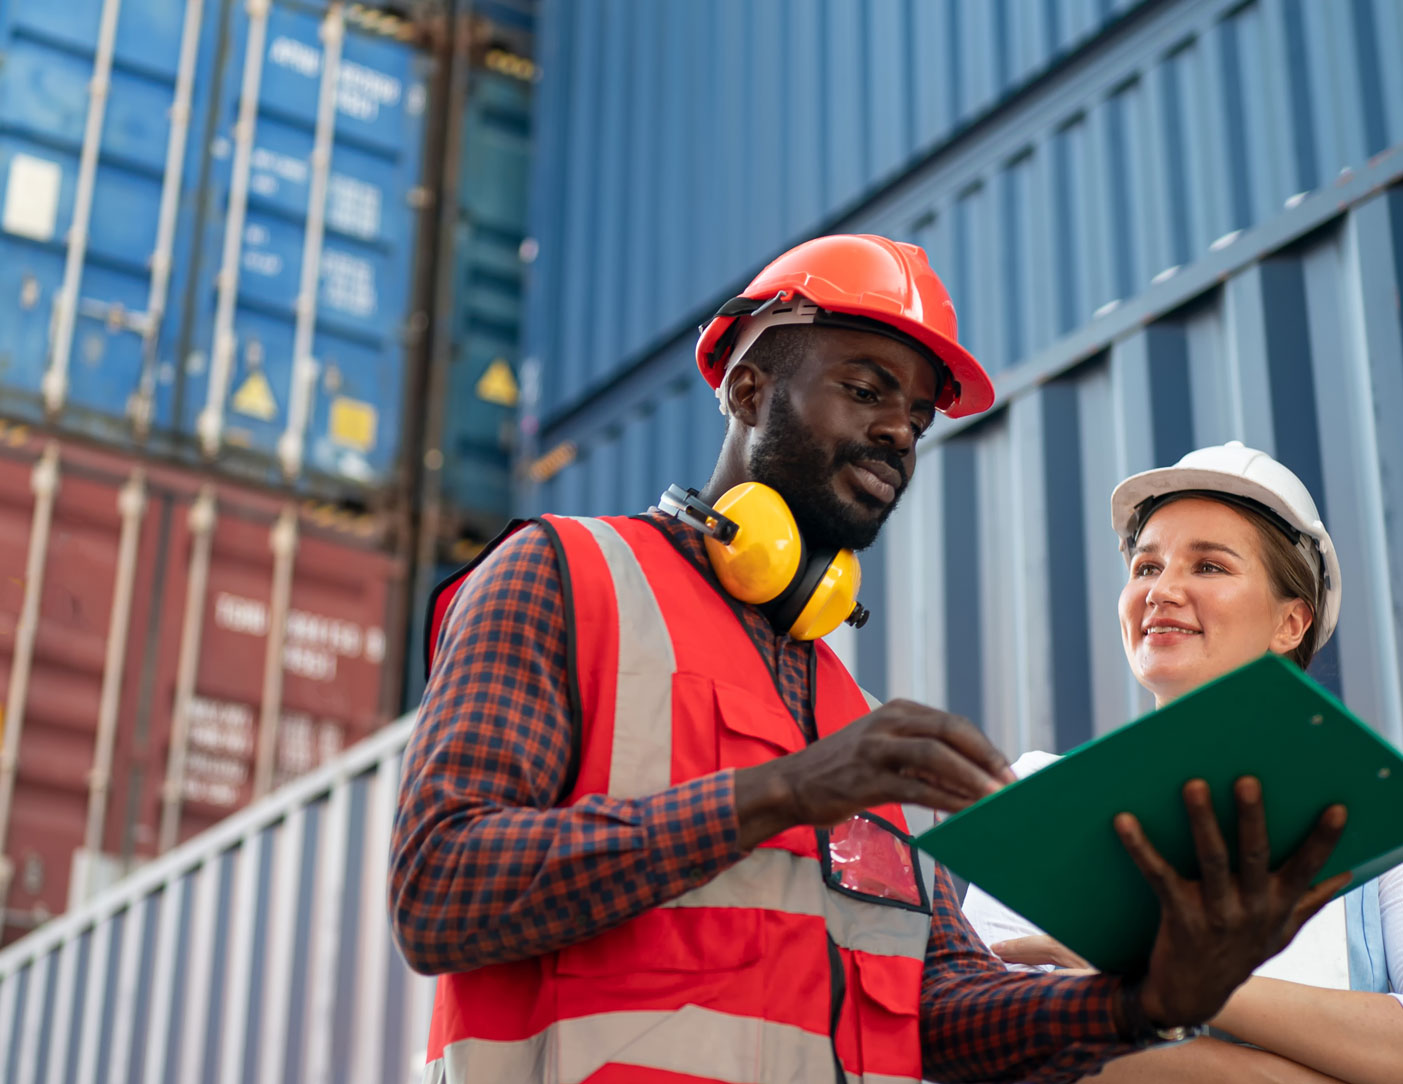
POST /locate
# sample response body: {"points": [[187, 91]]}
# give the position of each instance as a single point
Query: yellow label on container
{"points": [[255, 398], [497, 384], [353, 423]]}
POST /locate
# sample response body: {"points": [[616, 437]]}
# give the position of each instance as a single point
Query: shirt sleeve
{"points": [[485, 865], [981, 1021], [1391, 917]]}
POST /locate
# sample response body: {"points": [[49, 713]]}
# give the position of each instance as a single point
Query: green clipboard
{"points": [[1044, 845]]}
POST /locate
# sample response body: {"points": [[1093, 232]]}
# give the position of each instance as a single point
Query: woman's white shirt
{"points": [[1318, 955]]}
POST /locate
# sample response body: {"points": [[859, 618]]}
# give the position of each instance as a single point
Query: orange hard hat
{"points": [[857, 275]]}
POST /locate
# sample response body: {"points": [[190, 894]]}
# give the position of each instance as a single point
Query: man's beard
{"points": [[788, 459]]}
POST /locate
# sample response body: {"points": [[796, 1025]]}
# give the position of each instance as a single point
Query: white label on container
{"points": [[361, 91], [348, 283], [314, 641], [220, 726], [304, 744], [268, 264], [31, 197], [352, 206], [214, 780], [269, 168], [236, 614], [309, 663], [295, 55]]}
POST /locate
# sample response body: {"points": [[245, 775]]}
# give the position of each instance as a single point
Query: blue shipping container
{"points": [[483, 381], [155, 239], [680, 145], [1199, 121]]}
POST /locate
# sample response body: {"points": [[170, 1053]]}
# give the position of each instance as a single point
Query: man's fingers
{"points": [[1215, 868], [968, 740], [917, 720], [1316, 898], [1156, 870], [1310, 857], [914, 790], [938, 764], [1253, 843]]}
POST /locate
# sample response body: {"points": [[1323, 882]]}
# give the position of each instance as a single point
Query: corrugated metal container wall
{"points": [[679, 145], [172, 648], [259, 951], [474, 381], [1199, 119], [1189, 144], [479, 409], [156, 238]]}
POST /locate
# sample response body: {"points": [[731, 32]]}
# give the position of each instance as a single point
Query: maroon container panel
{"points": [[58, 739], [337, 679], [334, 675]]}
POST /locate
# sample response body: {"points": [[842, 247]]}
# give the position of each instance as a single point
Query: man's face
{"points": [[837, 439]]}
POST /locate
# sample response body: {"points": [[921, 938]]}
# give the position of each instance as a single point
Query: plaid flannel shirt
{"points": [[486, 867]]}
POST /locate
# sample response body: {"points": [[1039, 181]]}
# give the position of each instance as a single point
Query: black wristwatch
{"points": [[1145, 1033], [1180, 1034]]}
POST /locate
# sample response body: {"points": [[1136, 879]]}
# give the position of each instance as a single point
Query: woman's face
{"points": [[1199, 601]]}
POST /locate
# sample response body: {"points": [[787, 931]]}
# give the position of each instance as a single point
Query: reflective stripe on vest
{"points": [[760, 1020], [641, 759], [741, 1049], [777, 880]]}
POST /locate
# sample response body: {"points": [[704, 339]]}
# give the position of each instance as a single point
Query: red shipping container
{"points": [[194, 643]]}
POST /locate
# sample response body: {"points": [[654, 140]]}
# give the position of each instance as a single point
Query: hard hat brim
{"points": [[976, 389]]}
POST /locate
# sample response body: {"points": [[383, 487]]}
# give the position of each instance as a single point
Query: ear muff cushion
{"points": [[767, 554], [785, 610]]}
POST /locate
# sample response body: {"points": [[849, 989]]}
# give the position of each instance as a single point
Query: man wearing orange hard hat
{"points": [[650, 829]]}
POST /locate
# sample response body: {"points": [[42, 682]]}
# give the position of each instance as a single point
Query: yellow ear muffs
{"points": [[833, 601], [760, 558]]}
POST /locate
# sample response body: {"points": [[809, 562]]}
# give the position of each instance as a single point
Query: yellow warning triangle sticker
{"points": [[497, 384], [255, 398]]}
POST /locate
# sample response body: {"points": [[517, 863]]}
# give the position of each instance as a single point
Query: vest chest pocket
{"points": [[886, 1002], [717, 725]]}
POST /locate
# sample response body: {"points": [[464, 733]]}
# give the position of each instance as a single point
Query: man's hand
{"points": [[902, 752], [1214, 931]]}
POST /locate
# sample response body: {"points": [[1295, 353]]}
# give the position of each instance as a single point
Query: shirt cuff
{"points": [[693, 833]]}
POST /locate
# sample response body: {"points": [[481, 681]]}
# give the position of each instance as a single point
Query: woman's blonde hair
{"points": [[1290, 577]]}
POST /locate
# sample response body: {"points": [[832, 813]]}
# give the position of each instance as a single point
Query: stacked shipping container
{"points": [[210, 254], [679, 146], [216, 244], [173, 646]]}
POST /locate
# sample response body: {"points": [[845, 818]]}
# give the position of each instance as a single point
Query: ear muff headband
{"points": [[760, 558]]}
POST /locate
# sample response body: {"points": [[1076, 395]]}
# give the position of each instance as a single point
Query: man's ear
{"points": [[745, 389]]}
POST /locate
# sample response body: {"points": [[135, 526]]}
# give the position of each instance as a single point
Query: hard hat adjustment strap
{"points": [[737, 306]]}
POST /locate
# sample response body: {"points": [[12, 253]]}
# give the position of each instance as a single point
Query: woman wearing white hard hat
{"points": [[1228, 559]]}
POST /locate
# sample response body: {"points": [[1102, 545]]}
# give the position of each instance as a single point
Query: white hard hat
{"points": [[1242, 475]]}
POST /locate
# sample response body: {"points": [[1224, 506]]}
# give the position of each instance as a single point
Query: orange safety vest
{"points": [[802, 962]]}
